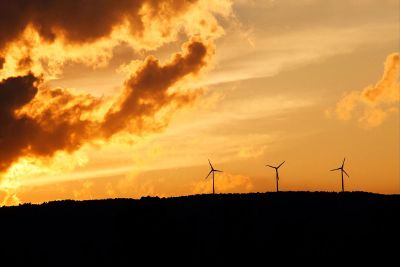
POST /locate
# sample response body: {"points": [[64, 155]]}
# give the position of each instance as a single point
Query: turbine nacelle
{"points": [[341, 168], [277, 167], [212, 169]]}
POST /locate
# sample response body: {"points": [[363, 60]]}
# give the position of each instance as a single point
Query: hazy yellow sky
{"points": [[288, 80]]}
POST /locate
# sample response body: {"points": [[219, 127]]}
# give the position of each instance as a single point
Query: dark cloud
{"points": [[81, 20], [41, 135], [38, 121], [147, 90], [14, 132]]}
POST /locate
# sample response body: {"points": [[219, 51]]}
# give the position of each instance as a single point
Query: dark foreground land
{"points": [[203, 229]]}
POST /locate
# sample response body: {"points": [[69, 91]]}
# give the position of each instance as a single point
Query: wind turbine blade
{"points": [[343, 162], [346, 173], [218, 171], [335, 169], [281, 164], [208, 174], [270, 166], [210, 164]]}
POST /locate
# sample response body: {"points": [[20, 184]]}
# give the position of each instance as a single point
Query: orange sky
{"points": [[152, 92]]}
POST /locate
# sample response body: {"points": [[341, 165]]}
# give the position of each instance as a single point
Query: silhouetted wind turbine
{"points": [[342, 171], [277, 174], [212, 171]]}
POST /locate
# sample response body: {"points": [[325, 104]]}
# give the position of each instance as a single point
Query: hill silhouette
{"points": [[203, 229]]}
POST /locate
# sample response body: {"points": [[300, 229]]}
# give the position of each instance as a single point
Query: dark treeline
{"points": [[203, 229]]}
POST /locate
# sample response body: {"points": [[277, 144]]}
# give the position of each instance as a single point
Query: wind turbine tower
{"points": [[212, 171], [341, 168]]}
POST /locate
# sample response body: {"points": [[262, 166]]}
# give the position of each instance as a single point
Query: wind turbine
{"points": [[212, 171], [342, 171], [277, 174]]}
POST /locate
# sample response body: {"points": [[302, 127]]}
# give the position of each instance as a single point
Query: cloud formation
{"points": [[40, 36], [146, 91], [224, 183], [372, 105], [37, 121], [77, 21]]}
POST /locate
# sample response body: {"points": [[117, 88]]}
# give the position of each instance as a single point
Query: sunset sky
{"points": [[107, 99]]}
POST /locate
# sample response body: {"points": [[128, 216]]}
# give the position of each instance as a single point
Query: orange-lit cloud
{"points": [[372, 105], [147, 90], [77, 21], [251, 152], [224, 183], [37, 121], [37, 38], [40, 36]]}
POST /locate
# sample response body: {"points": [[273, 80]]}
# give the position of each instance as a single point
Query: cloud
{"points": [[239, 60], [85, 191], [38, 122], [37, 38], [40, 36], [224, 183], [9, 192], [252, 151], [147, 90], [77, 21], [372, 105], [387, 89]]}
